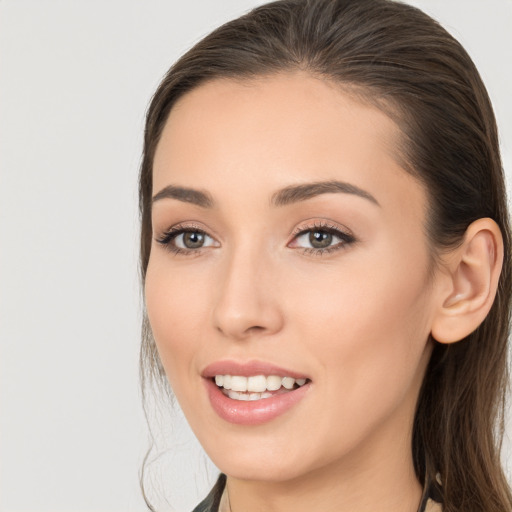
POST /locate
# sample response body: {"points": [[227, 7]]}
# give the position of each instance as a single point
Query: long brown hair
{"points": [[406, 64]]}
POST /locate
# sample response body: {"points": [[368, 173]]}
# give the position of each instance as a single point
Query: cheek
{"points": [[367, 325], [176, 306]]}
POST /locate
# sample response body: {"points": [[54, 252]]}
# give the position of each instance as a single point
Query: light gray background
{"points": [[75, 79]]}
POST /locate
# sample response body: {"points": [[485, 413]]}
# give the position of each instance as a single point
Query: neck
{"points": [[355, 493], [379, 476]]}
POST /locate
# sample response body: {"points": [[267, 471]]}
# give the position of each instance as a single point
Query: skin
{"points": [[355, 320]]}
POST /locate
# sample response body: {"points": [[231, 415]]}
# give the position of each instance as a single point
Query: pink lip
{"points": [[251, 412]]}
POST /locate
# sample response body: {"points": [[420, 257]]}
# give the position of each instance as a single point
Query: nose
{"points": [[247, 302]]}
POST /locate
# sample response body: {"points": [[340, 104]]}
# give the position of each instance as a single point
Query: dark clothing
{"points": [[211, 502]]}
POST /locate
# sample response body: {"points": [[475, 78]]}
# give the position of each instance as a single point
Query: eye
{"points": [[321, 238], [191, 240], [187, 240]]}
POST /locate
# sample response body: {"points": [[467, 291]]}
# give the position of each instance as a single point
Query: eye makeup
{"points": [[186, 239], [319, 238]]}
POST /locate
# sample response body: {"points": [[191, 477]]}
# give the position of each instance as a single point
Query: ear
{"points": [[468, 285]]}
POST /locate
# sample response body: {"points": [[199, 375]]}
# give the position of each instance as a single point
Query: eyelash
{"points": [[346, 238], [172, 233], [167, 238]]}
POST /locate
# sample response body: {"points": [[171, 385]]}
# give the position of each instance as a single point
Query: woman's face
{"points": [[289, 243]]}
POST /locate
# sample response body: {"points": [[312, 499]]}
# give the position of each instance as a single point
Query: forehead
{"points": [[271, 131]]}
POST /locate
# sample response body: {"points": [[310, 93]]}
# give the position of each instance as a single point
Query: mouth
{"points": [[257, 387], [253, 393]]}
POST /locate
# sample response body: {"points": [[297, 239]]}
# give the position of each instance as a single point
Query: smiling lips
{"points": [[252, 393]]}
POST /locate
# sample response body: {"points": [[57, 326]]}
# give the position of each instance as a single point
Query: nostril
{"points": [[256, 328]]}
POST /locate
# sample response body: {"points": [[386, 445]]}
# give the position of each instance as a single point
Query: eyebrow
{"points": [[288, 195], [187, 195], [302, 192]]}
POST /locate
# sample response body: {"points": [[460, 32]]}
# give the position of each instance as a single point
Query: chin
{"points": [[264, 459], [268, 471]]}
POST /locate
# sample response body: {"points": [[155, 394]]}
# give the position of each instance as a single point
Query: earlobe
{"points": [[470, 282]]}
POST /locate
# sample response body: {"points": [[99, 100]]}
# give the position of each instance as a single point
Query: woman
{"points": [[325, 254]]}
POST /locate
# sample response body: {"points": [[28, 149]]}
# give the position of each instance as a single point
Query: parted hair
{"points": [[402, 61]]}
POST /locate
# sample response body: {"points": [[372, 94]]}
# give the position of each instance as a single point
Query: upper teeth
{"points": [[258, 383]]}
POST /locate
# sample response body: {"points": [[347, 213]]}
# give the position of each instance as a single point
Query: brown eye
{"points": [[191, 240], [186, 240], [320, 239]]}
